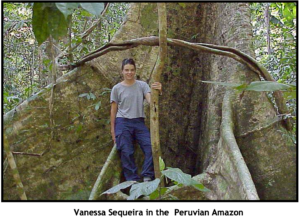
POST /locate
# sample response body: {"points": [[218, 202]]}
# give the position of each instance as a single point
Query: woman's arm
{"points": [[113, 113]]}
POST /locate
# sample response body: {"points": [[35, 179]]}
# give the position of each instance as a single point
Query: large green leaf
{"points": [[177, 175], [180, 177], [145, 188], [261, 86], [40, 23], [93, 8], [117, 188], [58, 25], [66, 8], [48, 20]]}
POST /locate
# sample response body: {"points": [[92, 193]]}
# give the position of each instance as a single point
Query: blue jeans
{"points": [[126, 131]]}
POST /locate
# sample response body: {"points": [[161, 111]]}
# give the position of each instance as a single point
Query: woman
{"points": [[127, 121]]}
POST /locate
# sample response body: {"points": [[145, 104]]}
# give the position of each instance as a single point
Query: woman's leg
{"points": [[142, 135], [124, 140]]}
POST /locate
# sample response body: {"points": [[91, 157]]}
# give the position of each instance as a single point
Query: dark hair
{"points": [[128, 61]]}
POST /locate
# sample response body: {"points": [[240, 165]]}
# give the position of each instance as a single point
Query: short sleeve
{"points": [[146, 88], [114, 95]]}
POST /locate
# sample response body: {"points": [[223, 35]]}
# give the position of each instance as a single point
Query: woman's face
{"points": [[128, 72]]}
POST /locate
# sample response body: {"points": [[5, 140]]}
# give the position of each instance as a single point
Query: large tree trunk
{"points": [[225, 141]]}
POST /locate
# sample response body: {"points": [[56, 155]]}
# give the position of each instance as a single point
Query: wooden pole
{"points": [[154, 112]]}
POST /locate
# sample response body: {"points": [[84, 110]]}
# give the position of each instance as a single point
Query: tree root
{"points": [[108, 177], [227, 135]]}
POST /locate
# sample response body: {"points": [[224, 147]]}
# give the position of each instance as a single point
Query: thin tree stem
{"points": [[15, 171], [154, 104]]}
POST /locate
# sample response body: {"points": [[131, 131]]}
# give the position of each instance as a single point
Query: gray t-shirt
{"points": [[130, 99]]}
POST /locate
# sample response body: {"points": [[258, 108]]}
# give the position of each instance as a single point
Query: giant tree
{"points": [[234, 143]]}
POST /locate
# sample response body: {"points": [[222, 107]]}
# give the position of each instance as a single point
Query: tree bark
{"points": [[267, 22]]}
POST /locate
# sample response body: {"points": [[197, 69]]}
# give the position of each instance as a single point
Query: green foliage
{"points": [[182, 178], [145, 188], [97, 106], [153, 189], [51, 19], [281, 62], [266, 86], [93, 8], [105, 91], [158, 192], [289, 95], [66, 8], [18, 49], [26, 65], [91, 96], [9, 101], [88, 96], [177, 175], [118, 187], [48, 20]]}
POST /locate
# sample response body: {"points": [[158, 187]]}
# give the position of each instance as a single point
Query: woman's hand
{"points": [[113, 136], [157, 86]]}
